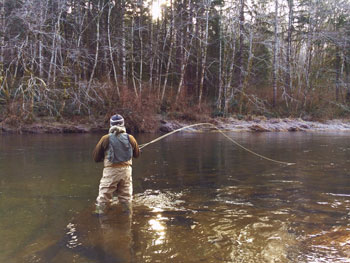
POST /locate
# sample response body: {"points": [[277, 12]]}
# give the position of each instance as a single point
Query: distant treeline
{"points": [[85, 57]]}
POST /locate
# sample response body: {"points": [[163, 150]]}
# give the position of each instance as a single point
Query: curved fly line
{"points": [[220, 131]]}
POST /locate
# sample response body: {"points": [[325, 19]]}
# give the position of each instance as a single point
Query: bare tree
{"points": [[288, 82], [241, 45], [275, 60], [219, 103], [123, 40], [186, 48], [2, 38], [140, 30], [110, 7], [97, 50], [172, 39], [204, 49], [56, 44]]}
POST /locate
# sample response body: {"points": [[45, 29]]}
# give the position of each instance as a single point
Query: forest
{"points": [[89, 58]]}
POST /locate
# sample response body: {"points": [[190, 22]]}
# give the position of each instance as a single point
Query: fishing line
{"points": [[220, 131]]}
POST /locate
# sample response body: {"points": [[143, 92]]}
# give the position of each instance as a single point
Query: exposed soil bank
{"points": [[227, 124]]}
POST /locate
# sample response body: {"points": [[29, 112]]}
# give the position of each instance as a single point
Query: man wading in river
{"points": [[116, 150]]}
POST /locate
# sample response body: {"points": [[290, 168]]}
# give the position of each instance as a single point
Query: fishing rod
{"points": [[220, 131]]}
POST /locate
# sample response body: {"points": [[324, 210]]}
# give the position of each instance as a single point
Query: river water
{"points": [[197, 198]]}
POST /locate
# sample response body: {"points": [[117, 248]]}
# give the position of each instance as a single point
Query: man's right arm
{"points": [[99, 151], [135, 146]]}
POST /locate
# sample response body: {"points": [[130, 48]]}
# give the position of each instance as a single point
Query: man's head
{"points": [[116, 120]]}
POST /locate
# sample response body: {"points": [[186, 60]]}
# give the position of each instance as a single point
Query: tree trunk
{"points": [[3, 86], [337, 73], [228, 85], [186, 51], [309, 49], [275, 61], [204, 51], [172, 39], [132, 53], [347, 78], [347, 70], [141, 46], [110, 49], [288, 82], [123, 53], [249, 67], [151, 58], [2, 40], [219, 99], [42, 19], [160, 58], [97, 45], [241, 46], [52, 68]]}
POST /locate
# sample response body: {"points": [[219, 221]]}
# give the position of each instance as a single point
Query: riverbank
{"points": [[257, 124], [51, 126], [283, 125]]}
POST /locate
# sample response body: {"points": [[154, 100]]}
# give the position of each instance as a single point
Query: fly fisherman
{"points": [[116, 150]]}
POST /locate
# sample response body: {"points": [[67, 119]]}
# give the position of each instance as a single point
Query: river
{"points": [[197, 198]]}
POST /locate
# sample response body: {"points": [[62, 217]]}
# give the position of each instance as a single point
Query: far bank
{"points": [[164, 125]]}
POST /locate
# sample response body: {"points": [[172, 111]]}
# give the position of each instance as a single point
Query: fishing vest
{"points": [[119, 149]]}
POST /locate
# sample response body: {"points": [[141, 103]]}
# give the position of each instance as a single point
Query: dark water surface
{"points": [[197, 198]]}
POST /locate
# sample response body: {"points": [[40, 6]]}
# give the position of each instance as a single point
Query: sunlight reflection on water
{"points": [[159, 228]]}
